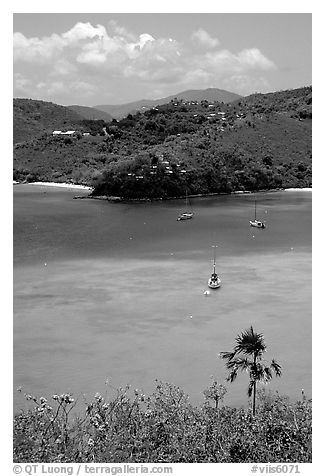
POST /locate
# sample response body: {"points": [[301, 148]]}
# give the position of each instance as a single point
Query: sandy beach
{"points": [[59, 184], [298, 189]]}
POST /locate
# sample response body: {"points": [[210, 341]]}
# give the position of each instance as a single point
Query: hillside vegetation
{"points": [[32, 118], [263, 141]]}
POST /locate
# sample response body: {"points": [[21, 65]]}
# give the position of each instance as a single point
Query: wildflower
{"points": [[66, 397], [94, 421]]}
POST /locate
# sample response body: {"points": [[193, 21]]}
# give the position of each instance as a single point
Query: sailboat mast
{"points": [[214, 258], [255, 209]]}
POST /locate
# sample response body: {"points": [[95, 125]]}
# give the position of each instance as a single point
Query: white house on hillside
{"points": [[60, 133]]}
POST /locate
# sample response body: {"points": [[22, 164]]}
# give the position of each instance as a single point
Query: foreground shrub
{"points": [[163, 427]]}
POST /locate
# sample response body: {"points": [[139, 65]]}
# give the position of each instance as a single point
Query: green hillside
{"points": [[259, 142], [297, 102], [32, 118]]}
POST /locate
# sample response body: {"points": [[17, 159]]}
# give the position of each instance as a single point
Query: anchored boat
{"points": [[187, 215], [257, 223], [214, 281]]}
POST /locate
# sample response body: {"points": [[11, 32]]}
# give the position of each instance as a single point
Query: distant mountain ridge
{"points": [[91, 113], [211, 94]]}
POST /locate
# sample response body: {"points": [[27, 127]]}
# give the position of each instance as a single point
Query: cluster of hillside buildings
{"points": [[154, 166]]}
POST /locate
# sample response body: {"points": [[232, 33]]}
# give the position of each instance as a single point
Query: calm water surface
{"points": [[115, 291]]}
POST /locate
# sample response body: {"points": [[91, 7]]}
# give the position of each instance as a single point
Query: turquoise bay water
{"points": [[115, 291]]}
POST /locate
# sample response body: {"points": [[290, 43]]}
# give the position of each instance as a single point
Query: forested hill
{"points": [[294, 101], [262, 141]]}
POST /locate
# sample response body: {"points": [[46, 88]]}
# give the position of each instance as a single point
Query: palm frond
{"points": [[239, 363], [227, 355], [267, 374], [276, 368], [250, 343], [244, 364], [233, 374]]}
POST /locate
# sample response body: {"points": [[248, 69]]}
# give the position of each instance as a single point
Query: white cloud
{"points": [[248, 59], [84, 31], [109, 57], [36, 49], [253, 58], [143, 39], [62, 67], [203, 38], [92, 55], [120, 31]]}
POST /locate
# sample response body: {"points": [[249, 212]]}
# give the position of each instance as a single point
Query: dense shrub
{"points": [[163, 427]]}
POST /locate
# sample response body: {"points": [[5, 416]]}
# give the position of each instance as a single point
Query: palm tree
{"points": [[251, 344]]}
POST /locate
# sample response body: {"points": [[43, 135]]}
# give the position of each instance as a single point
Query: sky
{"points": [[115, 58]]}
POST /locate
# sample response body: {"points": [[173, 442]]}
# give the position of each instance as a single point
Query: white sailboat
{"points": [[257, 223], [214, 281], [187, 215]]}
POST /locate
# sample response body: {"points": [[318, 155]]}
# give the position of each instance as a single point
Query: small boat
{"points": [[187, 215], [214, 281], [257, 223]]}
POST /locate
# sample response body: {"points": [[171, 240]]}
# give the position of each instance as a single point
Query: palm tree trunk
{"points": [[254, 398], [254, 387]]}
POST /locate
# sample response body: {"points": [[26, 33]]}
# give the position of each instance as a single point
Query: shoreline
{"points": [[121, 199], [199, 195]]}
